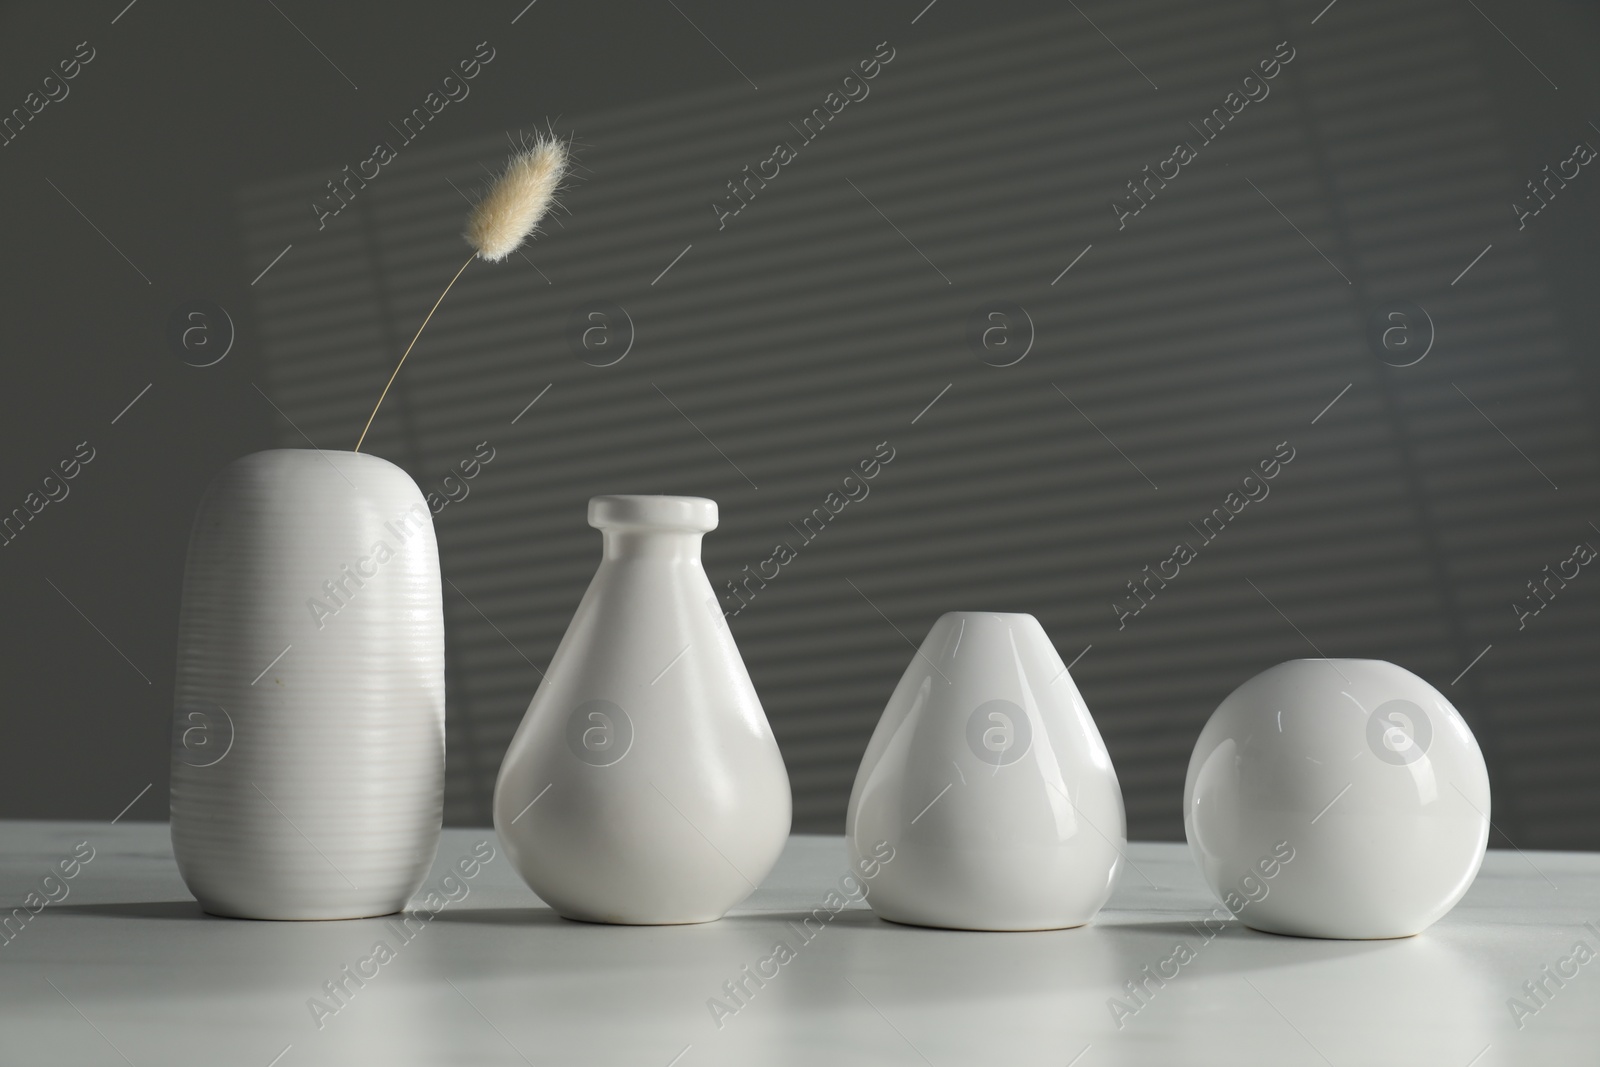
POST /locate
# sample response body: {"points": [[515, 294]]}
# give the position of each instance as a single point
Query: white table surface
{"points": [[126, 969]]}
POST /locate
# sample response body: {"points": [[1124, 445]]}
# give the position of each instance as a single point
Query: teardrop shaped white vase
{"points": [[987, 777], [644, 785], [308, 736]]}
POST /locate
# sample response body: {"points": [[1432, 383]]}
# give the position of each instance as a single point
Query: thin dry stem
{"points": [[409, 347]]}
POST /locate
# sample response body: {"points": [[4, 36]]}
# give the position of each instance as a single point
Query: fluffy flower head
{"points": [[517, 199]]}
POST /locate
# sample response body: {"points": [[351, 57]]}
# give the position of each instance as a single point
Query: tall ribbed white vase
{"points": [[308, 735]]}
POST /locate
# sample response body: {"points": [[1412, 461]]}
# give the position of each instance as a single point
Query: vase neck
{"points": [[651, 544]]}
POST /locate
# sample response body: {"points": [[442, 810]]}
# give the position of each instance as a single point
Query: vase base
{"points": [[595, 920], [983, 928], [1332, 937], [240, 913]]}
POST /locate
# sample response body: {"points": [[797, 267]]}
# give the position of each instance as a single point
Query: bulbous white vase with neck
{"points": [[308, 733], [644, 785], [988, 779]]}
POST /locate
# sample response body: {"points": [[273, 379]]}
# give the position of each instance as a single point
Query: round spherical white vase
{"points": [[308, 737], [1338, 798], [644, 785], [988, 783]]}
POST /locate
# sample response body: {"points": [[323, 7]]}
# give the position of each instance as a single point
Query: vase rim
{"points": [[638, 511]]}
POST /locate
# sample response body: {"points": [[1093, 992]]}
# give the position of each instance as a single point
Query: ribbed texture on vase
{"points": [[308, 739]]}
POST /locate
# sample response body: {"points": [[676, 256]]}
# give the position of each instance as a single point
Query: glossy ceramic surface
{"points": [[308, 734], [988, 780], [1364, 774], [644, 785]]}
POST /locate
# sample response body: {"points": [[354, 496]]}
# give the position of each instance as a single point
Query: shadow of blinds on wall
{"points": [[781, 350]]}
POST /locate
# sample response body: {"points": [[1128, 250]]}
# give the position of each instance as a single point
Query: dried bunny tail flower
{"points": [[500, 222], [518, 199]]}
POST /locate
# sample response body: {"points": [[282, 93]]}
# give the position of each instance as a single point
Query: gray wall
{"points": [[823, 319]]}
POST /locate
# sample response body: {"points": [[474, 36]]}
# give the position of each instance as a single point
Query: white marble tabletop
{"points": [[122, 967]]}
